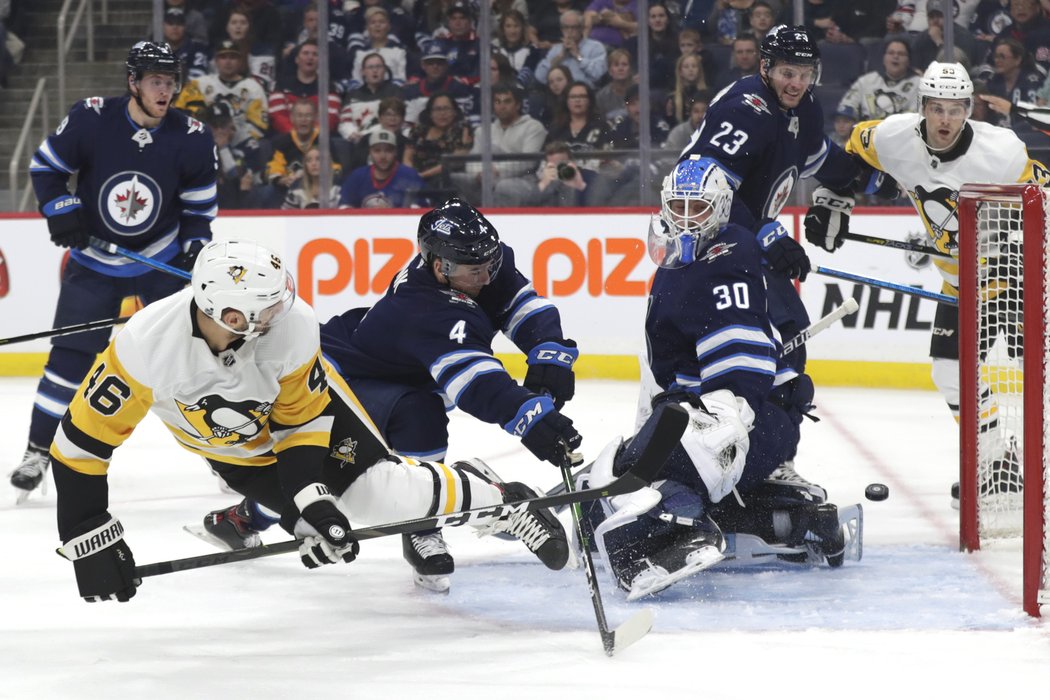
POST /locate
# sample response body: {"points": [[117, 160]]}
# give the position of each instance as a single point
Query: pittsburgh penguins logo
{"points": [[237, 273], [130, 203], [937, 207], [345, 451], [219, 422]]}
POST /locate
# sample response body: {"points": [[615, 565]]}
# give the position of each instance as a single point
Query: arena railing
{"points": [[65, 39], [16, 166]]}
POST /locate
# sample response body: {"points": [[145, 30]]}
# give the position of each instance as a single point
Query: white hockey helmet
{"points": [[946, 81], [246, 277], [694, 206]]}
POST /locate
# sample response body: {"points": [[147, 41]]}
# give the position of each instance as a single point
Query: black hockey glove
{"points": [[103, 562], [185, 259], [782, 252], [544, 432], [327, 538], [550, 370], [795, 398], [828, 218], [65, 222]]}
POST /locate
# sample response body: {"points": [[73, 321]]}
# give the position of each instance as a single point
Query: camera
{"points": [[566, 171]]}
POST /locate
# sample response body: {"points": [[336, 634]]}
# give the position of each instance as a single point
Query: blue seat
{"points": [[841, 64]]}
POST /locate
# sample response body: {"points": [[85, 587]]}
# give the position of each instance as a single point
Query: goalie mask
{"points": [[245, 277], [694, 207]]}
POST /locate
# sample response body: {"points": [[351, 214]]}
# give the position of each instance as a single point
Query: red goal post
{"points": [[1003, 352]]}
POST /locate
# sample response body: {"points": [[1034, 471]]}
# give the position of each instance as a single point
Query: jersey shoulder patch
{"points": [[94, 104], [458, 298]]}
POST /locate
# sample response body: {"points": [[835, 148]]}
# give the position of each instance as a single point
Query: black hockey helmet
{"points": [[152, 57], [459, 234], [790, 45]]}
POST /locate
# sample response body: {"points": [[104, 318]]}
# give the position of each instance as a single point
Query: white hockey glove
{"points": [[828, 219], [717, 441]]}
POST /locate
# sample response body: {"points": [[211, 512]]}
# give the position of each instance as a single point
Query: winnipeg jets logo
{"points": [[194, 126], [442, 226], [142, 137], [129, 203], [717, 250], [95, 104], [345, 451], [458, 297], [216, 421], [756, 103], [237, 273]]}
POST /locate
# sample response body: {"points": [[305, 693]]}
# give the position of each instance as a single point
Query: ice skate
{"points": [[699, 547], [429, 557], [229, 528], [30, 473], [540, 530], [786, 474]]}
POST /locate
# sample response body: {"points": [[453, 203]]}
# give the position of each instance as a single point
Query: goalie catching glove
{"points": [[324, 530], [717, 440], [102, 560], [828, 218]]}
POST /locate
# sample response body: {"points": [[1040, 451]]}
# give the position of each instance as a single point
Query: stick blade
{"points": [[670, 424], [633, 629]]}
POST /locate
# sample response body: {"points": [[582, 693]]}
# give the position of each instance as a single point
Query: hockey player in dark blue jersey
{"points": [[426, 347], [712, 349], [145, 175]]}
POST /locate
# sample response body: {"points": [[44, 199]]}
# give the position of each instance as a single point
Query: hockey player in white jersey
{"points": [[931, 155], [233, 368]]}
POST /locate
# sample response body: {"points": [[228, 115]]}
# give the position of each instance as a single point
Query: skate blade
{"points": [[437, 584], [199, 532], [705, 559], [22, 496]]}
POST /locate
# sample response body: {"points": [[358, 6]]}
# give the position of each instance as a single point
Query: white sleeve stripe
{"points": [[55, 379], [784, 376], [686, 380], [532, 306], [36, 166], [527, 289], [452, 358], [458, 384], [50, 405], [747, 335], [51, 157], [201, 194], [206, 213], [763, 365], [70, 451]]}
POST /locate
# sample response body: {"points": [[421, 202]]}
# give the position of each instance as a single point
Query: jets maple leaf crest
{"points": [[131, 202]]}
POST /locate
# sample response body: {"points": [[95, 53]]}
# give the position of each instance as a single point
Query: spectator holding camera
{"points": [[559, 182]]}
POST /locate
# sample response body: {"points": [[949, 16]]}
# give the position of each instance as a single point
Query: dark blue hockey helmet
{"points": [[459, 234], [152, 57], [790, 45]]}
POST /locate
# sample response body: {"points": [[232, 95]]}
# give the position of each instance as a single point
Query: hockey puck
{"points": [[877, 492]]}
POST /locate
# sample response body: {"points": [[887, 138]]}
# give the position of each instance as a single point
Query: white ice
{"points": [[914, 617]]}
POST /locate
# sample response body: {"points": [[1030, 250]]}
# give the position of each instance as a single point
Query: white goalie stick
{"points": [[847, 307], [668, 431]]}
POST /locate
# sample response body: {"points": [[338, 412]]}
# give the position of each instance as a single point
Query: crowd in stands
{"points": [[404, 94]]}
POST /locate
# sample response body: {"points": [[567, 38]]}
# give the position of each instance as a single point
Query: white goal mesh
{"points": [[1003, 350]]}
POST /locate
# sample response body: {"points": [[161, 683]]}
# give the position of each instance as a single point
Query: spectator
{"points": [[264, 19], [689, 81], [610, 99], [585, 58], [391, 118], [547, 102], [442, 130], [361, 105], [559, 182], [546, 19], [853, 21], [338, 61], [579, 123], [430, 17], [991, 17], [928, 45], [844, 121], [612, 22], [760, 19], [377, 39], [193, 55], [679, 137], [696, 15], [302, 85], [513, 133], [689, 42], [728, 19], [500, 71], [909, 17], [626, 129], [262, 60], [1016, 79], [893, 90], [745, 61], [229, 84], [1031, 28], [512, 41], [663, 46], [236, 177], [286, 166], [306, 192], [460, 43], [500, 8], [385, 184], [402, 25], [194, 20], [436, 79]]}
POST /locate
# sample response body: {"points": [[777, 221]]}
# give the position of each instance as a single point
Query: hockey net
{"points": [[1003, 350]]}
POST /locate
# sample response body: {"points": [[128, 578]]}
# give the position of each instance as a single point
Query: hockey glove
{"points": [[102, 560], [795, 398], [326, 534], [828, 218], [550, 370], [545, 433], [185, 259], [782, 252], [65, 222]]}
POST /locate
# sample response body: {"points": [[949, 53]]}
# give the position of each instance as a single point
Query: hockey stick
{"points": [[66, 330], [667, 432], [872, 282], [846, 308], [900, 245], [114, 249]]}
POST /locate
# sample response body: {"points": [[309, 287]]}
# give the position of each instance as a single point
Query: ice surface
{"points": [[914, 617]]}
